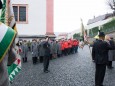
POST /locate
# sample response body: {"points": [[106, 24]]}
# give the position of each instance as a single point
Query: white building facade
{"points": [[34, 17]]}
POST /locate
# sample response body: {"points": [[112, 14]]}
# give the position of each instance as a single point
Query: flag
{"points": [[7, 17], [85, 36], [7, 36], [14, 69], [2, 17], [82, 28], [83, 32], [97, 36], [10, 13]]}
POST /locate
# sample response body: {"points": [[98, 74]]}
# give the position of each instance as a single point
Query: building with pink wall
{"points": [[34, 17]]}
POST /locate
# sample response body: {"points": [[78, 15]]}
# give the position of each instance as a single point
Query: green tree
{"points": [[75, 36]]}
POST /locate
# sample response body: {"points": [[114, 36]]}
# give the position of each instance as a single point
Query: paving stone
{"points": [[73, 70]]}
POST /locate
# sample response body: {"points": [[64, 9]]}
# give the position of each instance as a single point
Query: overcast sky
{"points": [[67, 13]]}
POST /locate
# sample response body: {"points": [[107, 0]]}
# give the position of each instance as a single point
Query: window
{"points": [[20, 13], [16, 12]]}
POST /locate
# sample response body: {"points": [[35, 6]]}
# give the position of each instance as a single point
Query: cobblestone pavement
{"points": [[73, 70]]}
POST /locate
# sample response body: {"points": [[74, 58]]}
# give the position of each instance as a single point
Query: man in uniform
{"points": [[100, 55], [47, 51]]}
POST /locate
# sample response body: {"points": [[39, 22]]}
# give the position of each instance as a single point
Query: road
{"points": [[73, 70]]}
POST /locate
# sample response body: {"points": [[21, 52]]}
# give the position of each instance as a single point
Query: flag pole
{"points": [[6, 13]]}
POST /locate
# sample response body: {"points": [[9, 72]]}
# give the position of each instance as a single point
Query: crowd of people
{"points": [[57, 48], [103, 52], [46, 49]]}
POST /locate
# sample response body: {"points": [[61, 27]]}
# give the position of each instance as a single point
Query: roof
{"points": [[35, 36], [99, 18]]}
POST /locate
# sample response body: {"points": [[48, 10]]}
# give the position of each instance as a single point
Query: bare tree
{"points": [[111, 4]]}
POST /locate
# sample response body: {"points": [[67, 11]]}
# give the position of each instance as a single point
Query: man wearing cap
{"points": [[7, 53], [100, 55]]}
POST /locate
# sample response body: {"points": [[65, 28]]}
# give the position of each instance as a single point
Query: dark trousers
{"points": [[25, 59], [109, 64], [34, 60], [76, 49], [46, 62], [69, 50], [72, 50], [51, 56], [41, 59], [63, 52], [66, 51], [58, 55], [100, 74]]}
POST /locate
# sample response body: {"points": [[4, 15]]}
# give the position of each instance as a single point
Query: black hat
{"points": [[0, 4], [101, 34]]}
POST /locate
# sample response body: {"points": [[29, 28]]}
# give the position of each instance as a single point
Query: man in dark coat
{"points": [[47, 51], [100, 54]]}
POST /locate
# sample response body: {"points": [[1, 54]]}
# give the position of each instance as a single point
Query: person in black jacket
{"points": [[100, 54], [47, 51]]}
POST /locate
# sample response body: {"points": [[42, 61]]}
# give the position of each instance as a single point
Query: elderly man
{"points": [[7, 54]]}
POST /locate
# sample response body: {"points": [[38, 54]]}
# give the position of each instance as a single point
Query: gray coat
{"points": [[4, 80], [59, 48], [41, 49], [111, 53], [51, 49], [34, 49], [54, 48], [24, 52]]}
